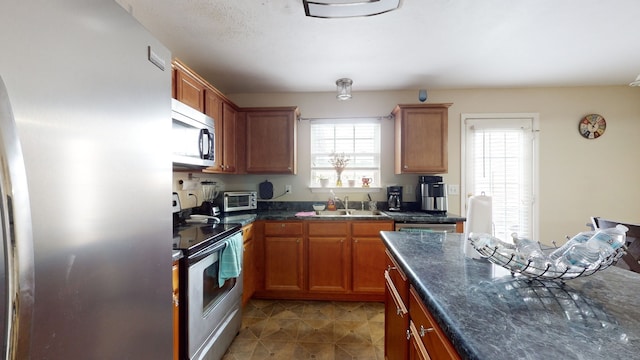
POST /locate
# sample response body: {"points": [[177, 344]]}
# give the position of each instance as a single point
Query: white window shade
{"points": [[500, 164], [358, 139]]}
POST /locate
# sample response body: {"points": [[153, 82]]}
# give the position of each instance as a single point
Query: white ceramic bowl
{"points": [[318, 207]]}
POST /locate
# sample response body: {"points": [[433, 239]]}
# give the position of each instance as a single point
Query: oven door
{"points": [[210, 307]]}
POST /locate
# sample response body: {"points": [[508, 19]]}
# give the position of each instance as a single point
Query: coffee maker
{"points": [[432, 194], [394, 198]]}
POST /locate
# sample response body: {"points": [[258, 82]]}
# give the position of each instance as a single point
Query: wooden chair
{"points": [[632, 257]]}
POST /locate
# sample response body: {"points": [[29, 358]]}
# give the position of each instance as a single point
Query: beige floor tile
{"points": [[309, 330]]}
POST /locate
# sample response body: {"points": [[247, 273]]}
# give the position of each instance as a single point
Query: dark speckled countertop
{"points": [[245, 218], [489, 314]]}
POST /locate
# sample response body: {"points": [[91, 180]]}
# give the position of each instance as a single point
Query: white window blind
{"points": [[359, 139], [499, 162]]}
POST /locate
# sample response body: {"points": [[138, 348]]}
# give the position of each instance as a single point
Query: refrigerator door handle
{"points": [[17, 260]]}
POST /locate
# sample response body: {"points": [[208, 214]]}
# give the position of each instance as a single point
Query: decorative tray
{"points": [[510, 260]]}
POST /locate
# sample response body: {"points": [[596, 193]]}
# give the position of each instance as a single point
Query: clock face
{"points": [[592, 126]]}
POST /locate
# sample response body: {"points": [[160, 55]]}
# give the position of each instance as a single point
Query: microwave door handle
{"points": [[212, 141], [200, 143]]}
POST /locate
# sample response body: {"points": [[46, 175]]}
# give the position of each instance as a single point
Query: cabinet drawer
{"points": [[370, 228], [323, 228], [283, 228], [398, 278], [434, 340]]}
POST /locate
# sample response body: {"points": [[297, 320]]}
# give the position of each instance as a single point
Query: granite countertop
{"points": [[245, 218], [489, 314]]}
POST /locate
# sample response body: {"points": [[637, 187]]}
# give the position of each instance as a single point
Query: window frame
{"points": [[350, 172], [498, 117]]}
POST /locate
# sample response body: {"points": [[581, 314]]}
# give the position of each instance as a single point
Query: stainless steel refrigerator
{"points": [[86, 183]]}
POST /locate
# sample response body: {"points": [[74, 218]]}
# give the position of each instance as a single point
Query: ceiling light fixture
{"points": [[344, 88], [348, 8], [635, 83]]}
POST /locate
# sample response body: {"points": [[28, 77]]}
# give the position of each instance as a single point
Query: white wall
{"points": [[578, 178]]}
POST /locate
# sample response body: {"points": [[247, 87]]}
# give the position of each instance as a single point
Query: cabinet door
{"points": [[396, 323], [271, 141], [435, 341], [283, 267], [368, 265], [328, 264], [229, 143], [421, 133], [417, 351], [189, 90], [176, 311], [248, 264], [213, 107], [368, 260]]}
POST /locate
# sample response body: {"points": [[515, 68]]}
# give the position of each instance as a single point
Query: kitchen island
{"points": [[486, 313]]}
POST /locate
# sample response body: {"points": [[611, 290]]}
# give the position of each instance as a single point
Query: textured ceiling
{"points": [[247, 46]]}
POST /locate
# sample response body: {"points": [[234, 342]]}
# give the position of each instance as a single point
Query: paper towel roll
{"points": [[479, 220]]}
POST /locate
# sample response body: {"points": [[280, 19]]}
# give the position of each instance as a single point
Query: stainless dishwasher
{"points": [[416, 227]]}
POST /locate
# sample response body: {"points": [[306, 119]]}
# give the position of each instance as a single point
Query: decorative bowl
{"points": [[318, 207]]}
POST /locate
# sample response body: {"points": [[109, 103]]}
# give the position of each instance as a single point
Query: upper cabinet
{"points": [[191, 89], [188, 89], [421, 138], [271, 140]]}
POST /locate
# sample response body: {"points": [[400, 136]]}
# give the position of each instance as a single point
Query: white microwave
{"points": [[239, 200], [193, 137]]}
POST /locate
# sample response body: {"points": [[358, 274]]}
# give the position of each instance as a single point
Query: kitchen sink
{"points": [[349, 213]]}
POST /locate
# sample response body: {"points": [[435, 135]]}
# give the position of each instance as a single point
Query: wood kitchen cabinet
{"points": [[188, 87], [410, 331], [396, 312], [429, 333], [175, 272], [229, 129], [248, 264], [328, 257], [368, 259], [271, 135], [421, 138], [283, 256]]}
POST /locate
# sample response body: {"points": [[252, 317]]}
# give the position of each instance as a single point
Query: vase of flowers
{"points": [[339, 162]]}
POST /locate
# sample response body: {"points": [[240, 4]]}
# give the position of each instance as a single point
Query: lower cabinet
{"points": [[368, 256], [175, 274], [410, 331], [396, 313], [283, 256], [248, 264], [323, 260], [328, 257]]}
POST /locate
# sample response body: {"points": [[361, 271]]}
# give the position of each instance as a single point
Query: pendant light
{"points": [[344, 88], [635, 83]]}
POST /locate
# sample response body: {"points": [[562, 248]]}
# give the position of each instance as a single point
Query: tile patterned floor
{"points": [[317, 330]]}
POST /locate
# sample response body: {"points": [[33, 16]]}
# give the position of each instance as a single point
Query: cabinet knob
{"points": [[406, 167], [408, 334]]}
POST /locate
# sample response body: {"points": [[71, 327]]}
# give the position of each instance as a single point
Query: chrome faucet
{"points": [[346, 202]]}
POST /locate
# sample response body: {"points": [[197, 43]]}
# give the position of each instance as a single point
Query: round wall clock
{"points": [[592, 126]]}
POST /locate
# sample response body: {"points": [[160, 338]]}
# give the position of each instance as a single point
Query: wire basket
{"points": [[510, 261]]}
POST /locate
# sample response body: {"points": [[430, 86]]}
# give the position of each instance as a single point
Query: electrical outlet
{"points": [[453, 189], [287, 189], [408, 189]]}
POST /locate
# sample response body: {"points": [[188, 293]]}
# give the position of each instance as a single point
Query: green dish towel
{"points": [[231, 259]]}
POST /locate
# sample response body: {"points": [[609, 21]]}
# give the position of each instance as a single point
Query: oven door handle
{"points": [[207, 251]]}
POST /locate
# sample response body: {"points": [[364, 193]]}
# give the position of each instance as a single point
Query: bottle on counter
{"points": [[331, 205], [579, 238], [530, 254], [602, 244]]}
